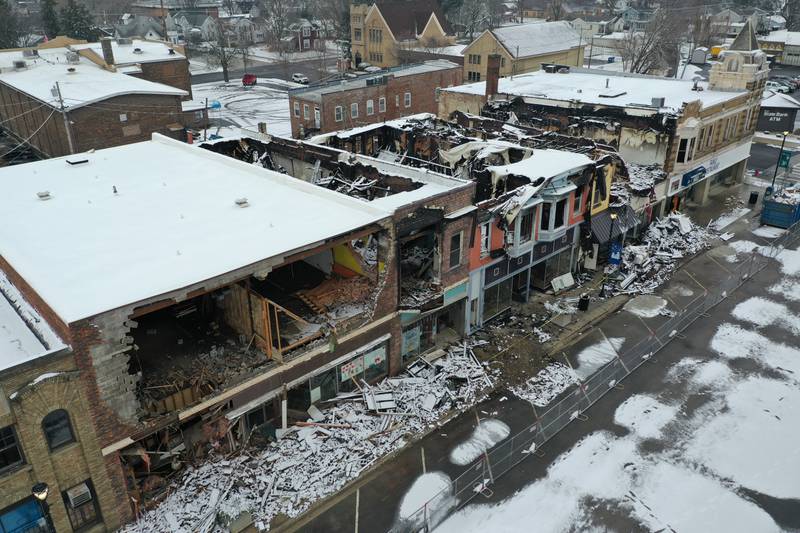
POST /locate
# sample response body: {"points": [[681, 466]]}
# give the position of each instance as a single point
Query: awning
{"points": [[602, 226]]}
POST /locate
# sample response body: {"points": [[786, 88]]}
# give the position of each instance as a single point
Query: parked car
{"points": [[785, 80], [248, 80], [777, 87], [300, 78]]}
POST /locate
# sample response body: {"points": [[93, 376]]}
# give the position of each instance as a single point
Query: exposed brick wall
{"points": [[22, 116], [423, 100], [174, 73]]}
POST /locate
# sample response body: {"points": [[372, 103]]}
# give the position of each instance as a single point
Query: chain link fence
{"points": [[480, 476]]}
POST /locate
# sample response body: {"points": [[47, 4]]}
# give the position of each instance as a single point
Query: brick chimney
{"points": [[108, 53], [492, 75]]}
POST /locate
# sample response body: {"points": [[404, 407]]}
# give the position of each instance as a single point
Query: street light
{"points": [[39, 492], [780, 154]]}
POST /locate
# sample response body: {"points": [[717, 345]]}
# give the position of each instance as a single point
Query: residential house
{"points": [[637, 19], [162, 8], [67, 99], [380, 30], [191, 339], [307, 35], [197, 25], [389, 94], [140, 26], [524, 48], [694, 135]]}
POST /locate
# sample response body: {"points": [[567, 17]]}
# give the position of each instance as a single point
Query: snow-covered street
{"points": [[708, 443]]}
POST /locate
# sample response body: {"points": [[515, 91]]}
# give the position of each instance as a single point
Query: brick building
{"points": [[322, 295], [68, 99], [381, 96]]}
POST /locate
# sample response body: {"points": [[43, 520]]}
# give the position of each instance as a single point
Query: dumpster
{"points": [[782, 209]]}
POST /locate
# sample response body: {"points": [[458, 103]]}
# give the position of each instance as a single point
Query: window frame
{"points": [[683, 146], [98, 517], [55, 447], [5, 445], [560, 212], [306, 112], [338, 114], [407, 99], [354, 110], [485, 236], [382, 104], [460, 236], [370, 107], [544, 218], [526, 219], [577, 203]]}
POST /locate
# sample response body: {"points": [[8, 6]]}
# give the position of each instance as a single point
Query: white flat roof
{"points": [[88, 83], [172, 223], [622, 91], [126, 54], [544, 163]]}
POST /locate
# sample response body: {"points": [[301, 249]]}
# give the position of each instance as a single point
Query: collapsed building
{"points": [[541, 198], [203, 296]]}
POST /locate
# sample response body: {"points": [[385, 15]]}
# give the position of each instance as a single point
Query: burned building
{"points": [[241, 296]]}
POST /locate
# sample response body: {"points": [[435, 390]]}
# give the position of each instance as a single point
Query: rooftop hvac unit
{"points": [[658, 102], [19, 63], [79, 495], [124, 41], [73, 58], [30, 52], [43, 195]]}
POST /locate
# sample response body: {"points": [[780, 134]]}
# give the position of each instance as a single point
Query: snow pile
{"points": [[486, 435], [561, 306], [551, 381], [592, 358], [318, 458], [728, 218], [647, 266], [541, 335], [644, 415]]}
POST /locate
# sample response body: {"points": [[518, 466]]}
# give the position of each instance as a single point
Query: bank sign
{"points": [[709, 167]]}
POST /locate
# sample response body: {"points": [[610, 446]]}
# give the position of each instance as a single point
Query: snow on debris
{"points": [[667, 240], [642, 178], [789, 195], [545, 386], [646, 306], [561, 306], [484, 437], [319, 457]]}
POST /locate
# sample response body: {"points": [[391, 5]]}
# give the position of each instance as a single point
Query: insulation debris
{"points": [[789, 195], [645, 267], [551, 381], [328, 450]]}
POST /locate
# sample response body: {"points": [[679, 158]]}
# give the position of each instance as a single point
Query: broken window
{"points": [[496, 299], [81, 504], [561, 209], [485, 239], [576, 206], [545, 223], [10, 450], [526, 226], [455, 250], [419, 269]]}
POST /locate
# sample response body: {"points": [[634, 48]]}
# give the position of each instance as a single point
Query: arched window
{"points": [[57, 429]]}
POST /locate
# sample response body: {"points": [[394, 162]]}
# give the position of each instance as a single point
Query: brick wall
{"points": [[423, 100], [174, 73]]}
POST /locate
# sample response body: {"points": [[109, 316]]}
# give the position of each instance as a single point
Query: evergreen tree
{"points": [[9, 28], [76, 22], [50, 18]]}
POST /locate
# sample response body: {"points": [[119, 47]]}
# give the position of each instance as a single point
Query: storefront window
{"points": [[323, 386], [526, 226], [375, 364], [496, 299]]}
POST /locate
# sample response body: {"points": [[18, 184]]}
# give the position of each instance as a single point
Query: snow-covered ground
{"points": [[261, 53], [700, 455], [244, 107]]}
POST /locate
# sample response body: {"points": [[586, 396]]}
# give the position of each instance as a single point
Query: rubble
{"points": [[551, 381], [789, 195], [337, 442], [642, 178], [646, 266]]}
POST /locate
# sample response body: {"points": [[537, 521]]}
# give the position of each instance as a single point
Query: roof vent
{"points": [[242, 202], [30, 52], [171, 51], [44, 195], [20, 64], [73, 58], [71, 70], [137, 50]]}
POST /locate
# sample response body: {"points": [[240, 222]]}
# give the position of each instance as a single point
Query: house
{"points": [[380, 96], [697, 134], [140, 26], [539, 198], [380, 30], [524, 48], [778, 112], [197, 25], [162, 8], [47, 431], [294, 311], [307, 35], [637, 19], [68, 99]]}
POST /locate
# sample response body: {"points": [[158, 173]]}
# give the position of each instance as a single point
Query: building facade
{"points": [[381, 96]]}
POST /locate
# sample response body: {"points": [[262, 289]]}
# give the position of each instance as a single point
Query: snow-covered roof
{"points": [[791, 38], [173, 222], [538, 38], [544, 163], [606, 88], [87, 83], [774, 99], [24, 335], [127, 54]]}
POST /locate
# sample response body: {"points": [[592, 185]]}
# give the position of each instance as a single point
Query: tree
{"points": [[77, 22], [9, 29], [277, 21], [222, 53], [654, 47], [791, 12], [555, 9], [50, 18], [472, 16], [335, 16]]}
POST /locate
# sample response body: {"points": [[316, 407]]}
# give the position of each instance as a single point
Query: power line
{"points": [[31, 135]]}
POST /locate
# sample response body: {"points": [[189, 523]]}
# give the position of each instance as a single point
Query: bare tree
{"points": [[654, 47], [472, 16], [222, 52], [277, 20], [495, 10], [791, 12], [555, 9]]}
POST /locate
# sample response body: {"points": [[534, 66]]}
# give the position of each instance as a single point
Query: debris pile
{"points": [[551, 381], [789, 195], [647, 266], [642, 178], [317, 457]]}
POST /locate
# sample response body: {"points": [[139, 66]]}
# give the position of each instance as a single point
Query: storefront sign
{"points": [[693, 175], [375, 358], [616, 253], [455, 293], [709, 167]]}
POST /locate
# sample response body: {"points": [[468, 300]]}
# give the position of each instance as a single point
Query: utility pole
{"points": [[164, 22], [591, 51], [66, 120]]}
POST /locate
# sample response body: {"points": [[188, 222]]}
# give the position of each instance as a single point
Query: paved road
{"points": [[284, 71], [380, 493]]}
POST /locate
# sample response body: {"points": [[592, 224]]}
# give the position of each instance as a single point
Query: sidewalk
{"points": [[374, 501]]}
